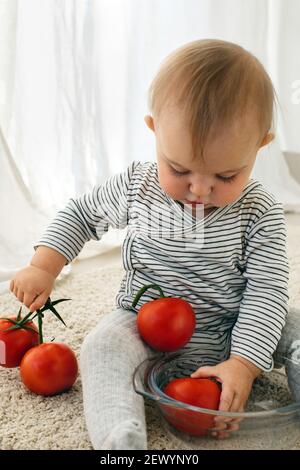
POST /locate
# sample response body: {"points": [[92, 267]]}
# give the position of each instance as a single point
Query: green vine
{"points": [[23, 322]]}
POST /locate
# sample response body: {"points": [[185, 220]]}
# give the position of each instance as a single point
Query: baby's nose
{"points": [[201, 188]]}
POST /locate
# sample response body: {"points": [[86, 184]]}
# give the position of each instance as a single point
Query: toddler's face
{"points": [[216, 180]]}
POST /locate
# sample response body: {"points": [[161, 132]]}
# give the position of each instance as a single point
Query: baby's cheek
{"points": [[174, 188], [228, 193]]}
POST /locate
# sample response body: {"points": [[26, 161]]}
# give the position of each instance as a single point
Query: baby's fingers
{"points": [[14, 288], [205, 371], [225, 424], [28, 299], [237, 407], [20, 295], [226, 399], [224, 429], [39, 301]]}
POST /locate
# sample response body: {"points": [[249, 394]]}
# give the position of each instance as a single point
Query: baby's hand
{"points": [[32, 286], [237, 376]]}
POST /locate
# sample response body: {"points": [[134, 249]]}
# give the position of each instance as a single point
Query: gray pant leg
{"points": [[288, 351], [114, 413]]}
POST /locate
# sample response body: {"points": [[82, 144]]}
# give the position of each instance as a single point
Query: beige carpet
{"points": [[28, 421]]}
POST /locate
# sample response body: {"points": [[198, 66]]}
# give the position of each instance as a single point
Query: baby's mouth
{"points": [[186, 201]]}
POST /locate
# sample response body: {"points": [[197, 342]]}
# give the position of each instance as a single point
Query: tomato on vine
{"points": [[45, 368], [17, 335], [49, 368]]}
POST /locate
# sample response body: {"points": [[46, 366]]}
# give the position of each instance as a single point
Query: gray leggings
{"points": [[114, 413]]}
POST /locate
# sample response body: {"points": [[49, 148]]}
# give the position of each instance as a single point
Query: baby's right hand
{"points": [[32, 286]]}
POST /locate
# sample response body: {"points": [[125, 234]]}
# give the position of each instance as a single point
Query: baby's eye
{"points": [[226, 179], [178, 173]]}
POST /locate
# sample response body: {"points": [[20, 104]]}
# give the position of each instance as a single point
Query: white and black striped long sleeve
{"points": [[264, 304], [231, 265]]}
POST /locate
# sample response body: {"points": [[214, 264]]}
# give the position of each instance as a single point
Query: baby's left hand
{"points": [[236, 376]]}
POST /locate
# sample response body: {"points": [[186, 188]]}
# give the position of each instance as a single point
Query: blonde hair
{"points": [[214, 82]]}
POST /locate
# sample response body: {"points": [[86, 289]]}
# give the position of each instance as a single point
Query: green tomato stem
{"points": [[40, 325], [19, 314], [143, 290]]}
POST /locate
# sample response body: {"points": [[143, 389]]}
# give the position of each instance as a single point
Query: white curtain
{"points": [[74, 76]]}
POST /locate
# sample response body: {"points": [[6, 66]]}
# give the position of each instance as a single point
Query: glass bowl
{"points": [[271, 419]]}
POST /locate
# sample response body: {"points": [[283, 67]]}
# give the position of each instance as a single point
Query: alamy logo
{"points": [[161, 221]]}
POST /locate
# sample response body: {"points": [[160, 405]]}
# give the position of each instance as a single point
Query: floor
{"points": [[110, 258], [113, 256]]}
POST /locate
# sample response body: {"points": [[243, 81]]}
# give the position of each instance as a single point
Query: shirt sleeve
{"points": [[89, 216], [265, 301]]}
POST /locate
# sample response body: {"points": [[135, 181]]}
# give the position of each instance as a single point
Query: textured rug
{"points": [[28, 421]]}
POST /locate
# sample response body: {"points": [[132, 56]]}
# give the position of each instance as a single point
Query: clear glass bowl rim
{"points": [[160, 397]]}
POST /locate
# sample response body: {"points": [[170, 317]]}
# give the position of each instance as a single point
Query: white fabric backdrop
{"points": [[73, 93]]}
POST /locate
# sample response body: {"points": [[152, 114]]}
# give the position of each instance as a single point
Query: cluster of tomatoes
{"points": [[45, 368], [167, 324]]}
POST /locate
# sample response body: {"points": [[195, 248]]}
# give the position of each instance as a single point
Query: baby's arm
{"points": [[264, 304], [84, 218]]}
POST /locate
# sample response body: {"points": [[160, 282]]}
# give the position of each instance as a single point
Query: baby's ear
{"points": [[267, 139], [150, 122]]}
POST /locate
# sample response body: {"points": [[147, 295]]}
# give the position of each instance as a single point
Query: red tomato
{"points": [[49, 368], [203, 393], [15, 343], [166, 324]]}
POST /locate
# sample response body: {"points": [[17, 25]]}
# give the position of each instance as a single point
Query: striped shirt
{"points": [[230, 265]]}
